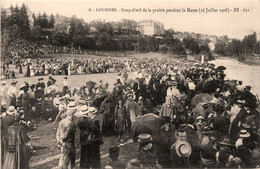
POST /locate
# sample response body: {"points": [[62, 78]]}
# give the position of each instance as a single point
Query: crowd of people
{"points": [[23, 49], [205, 120]]}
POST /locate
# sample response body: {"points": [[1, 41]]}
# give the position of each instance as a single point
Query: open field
{"points": [[46, 155]]}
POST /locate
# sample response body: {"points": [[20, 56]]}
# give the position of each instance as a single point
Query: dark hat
{"points": [[144, 138], [32, 86], [65, 77], [226, 142], [248, 87], [191, 120], [40, 79]]}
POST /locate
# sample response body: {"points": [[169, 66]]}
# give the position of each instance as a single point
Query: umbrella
{"points": [[210, 86], [230, 84], [130, 81], [221, 68], [149, 123], [201, 98], [90, 84]]}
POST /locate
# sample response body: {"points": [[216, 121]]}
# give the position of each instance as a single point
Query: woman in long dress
{"points": [[17, 155], [27, 74], [120, 114]]}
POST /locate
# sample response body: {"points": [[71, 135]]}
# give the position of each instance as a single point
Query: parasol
{"points": [[221, 68], [149, 123], [201, 98]]}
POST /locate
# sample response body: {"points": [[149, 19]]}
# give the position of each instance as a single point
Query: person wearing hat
{"points": [[65, 137], [11, 94], [180, 151], [41, 83], [146, 157], [193, 140], [25, 101], [7, 121], [172, 90], [31, 93], [120, 114], [224, 157], [66, 87], [39, 98], [3, 89], [246, 139], [62, 109], [132, 110], [208, 148], [56, 100], [236, 124], [17, 154], [220, 124], [90, 137], [163, 143], [167, 109]]}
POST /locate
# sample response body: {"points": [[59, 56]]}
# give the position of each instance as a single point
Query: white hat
{"points": [[72, 105], [83, 111], [241, 101], [183, 148], [244, 134], [200, 117], [3, 83], [11, 111], [91, 112]]}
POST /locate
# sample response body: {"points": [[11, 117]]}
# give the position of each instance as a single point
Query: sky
{"points": [[233, 24]]}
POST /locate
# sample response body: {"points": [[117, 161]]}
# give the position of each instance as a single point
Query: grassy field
{"points": [[46, 155]]}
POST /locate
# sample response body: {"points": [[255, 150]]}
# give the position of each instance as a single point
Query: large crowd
{"points": [[183, 115]]}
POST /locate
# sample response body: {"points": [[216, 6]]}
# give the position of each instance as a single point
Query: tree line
{"points": [[95, 35], [239, 48]]}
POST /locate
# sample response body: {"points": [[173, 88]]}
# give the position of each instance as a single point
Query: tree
{"points": [[220, 48], [44, 21], [24, 23], [169, 32], [51, 21], [192, 45]]}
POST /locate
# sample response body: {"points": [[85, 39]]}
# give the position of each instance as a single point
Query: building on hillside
{"points": [[150, 27]]}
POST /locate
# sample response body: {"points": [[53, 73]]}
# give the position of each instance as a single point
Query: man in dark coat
{"points": [[220, 124], [194, 141], [237, 122], [163, 144], [66, 140], [90, 137]]}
